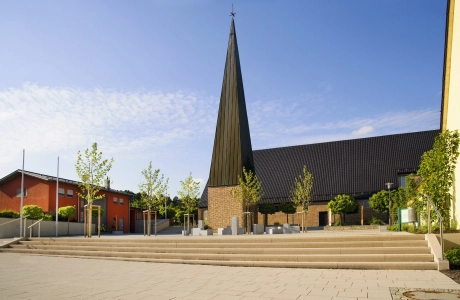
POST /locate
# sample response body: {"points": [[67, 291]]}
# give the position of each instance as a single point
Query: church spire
{"points": [[232, 143]]}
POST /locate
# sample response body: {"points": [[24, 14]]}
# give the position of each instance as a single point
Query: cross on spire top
{"points": [[233, 13]]}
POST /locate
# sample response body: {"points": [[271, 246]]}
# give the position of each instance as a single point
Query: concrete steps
{"points": [[301, 251]]}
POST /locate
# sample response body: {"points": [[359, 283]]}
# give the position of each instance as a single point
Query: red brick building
{"points": [[40, 190]]}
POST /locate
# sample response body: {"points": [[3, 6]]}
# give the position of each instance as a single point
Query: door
{"points": [[120, 224], [323, 218]]}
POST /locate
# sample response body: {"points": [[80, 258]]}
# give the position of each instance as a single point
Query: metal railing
{"points": [[25, 219], [440, 222], [31, 227]]}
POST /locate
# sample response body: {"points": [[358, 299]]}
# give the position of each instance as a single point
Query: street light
{"points": [[389, 184]]}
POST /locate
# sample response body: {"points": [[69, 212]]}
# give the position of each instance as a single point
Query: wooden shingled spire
{"points": [[232, 143]]}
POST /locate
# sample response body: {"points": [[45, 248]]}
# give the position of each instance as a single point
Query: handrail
{"points": [[25, 217], [440, 223], [30, 227]]}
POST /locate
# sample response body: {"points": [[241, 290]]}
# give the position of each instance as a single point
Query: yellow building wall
{"points": [[451, 105]]}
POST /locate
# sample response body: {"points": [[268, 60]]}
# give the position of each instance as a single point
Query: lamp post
{"points": [[389, 184]]}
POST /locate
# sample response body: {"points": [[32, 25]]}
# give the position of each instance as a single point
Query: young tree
{"points": [[288, 208], [152, 191], [267, 209], [189, 196], [343, 204], [248, 191], [67, 212], [301, 191], [437, 171], [92, 171], [379, 201]]}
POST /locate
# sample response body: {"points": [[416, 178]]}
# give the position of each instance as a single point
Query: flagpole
{"points": [[57, 196], [22, 193]]}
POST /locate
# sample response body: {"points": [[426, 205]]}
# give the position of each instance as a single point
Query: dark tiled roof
{"points": [[357, 167], [232, 143], [50, 178]]}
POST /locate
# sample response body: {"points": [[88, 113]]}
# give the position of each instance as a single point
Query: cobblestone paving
{"points": [[45, 277]]}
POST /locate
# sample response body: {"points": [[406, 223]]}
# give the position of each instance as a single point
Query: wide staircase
{"points": [[298, 251]]}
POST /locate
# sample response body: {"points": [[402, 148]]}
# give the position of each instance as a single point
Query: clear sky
{"points": [[143, 78]]}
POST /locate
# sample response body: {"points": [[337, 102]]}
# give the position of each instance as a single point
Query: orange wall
{"points": [[37, 193], [117, 210]]}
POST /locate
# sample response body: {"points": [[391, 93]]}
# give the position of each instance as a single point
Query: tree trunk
{"points": [[287, 218], [90, 219], [68, 226]]}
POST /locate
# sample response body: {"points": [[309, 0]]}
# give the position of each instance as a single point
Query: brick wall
{"points": [[222, 206], [313, 216]]}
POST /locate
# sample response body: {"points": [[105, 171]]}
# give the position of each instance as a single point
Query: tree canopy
{"points": [[287, 208], [153, 189], [343, 204], [189, 193], [32, 211], [249, 189], [301, 190], [92, 171]]}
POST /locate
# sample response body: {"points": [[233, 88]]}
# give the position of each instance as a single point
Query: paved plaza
{"points": [[45, 277]]}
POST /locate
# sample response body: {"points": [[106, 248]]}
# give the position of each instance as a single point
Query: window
{"points": [[402, 180], [366, 203], [18, 192], [122, 202], [61, 192], [70, 193], [115, 200]]}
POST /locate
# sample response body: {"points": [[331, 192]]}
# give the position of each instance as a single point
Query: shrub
{"points": [[47, 217], [276, 223], [337, 223], [33, 211], [453, 256], [375, 221], [9, 214]]}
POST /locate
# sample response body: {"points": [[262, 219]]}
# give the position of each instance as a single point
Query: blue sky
{"points": [[143, 78]]}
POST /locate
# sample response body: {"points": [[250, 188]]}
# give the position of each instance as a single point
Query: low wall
{"points": [[352, 227], [47, 228], [162, 224]]}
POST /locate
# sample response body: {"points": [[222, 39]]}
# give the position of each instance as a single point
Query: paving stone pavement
{"points": [[46, 277]]}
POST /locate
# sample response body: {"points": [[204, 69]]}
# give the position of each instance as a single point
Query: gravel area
{"points": [[453, 274]]}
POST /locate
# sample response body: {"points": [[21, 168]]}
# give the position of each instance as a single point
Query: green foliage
{"points": [[153, 189], [437, 171], [267, 208], [47, 217], [379, 201], [453, 256], [301, 191], [92, 171], [343, 204], [337, 223], [94, 212], [33, 211], [9, 214], [67, 212], [249, 190], [287, 208], [189, 194], [375, 221]]}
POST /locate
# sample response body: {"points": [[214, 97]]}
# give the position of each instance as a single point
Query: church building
{"points": [[359, 167]]}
